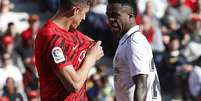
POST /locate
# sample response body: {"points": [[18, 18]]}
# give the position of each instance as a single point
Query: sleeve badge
{"points": [[58, 55]]}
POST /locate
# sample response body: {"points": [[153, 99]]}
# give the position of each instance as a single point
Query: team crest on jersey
{"points": [[58, 55]]}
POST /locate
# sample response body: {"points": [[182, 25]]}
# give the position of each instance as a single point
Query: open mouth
{"points": [[114, 27]]}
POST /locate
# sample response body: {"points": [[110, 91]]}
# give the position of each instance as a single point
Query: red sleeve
{"points": [[60, 51]]}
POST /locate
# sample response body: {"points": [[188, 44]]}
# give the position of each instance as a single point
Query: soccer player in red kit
{"points": [[64, 55]]}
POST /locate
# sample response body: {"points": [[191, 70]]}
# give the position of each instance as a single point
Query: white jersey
{"points": [[134, 57]]}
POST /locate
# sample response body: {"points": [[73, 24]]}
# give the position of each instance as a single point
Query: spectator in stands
{"points": [[186, 34], [149, 11], [192, 37], [106, 91], [192, 51], [11, 30], [170, 23], [26, 51], [27, 43], [99, 87], [195, 80], [196, 15], [167, 72], [151, 28], [9, 70], [165, 36], [159, 7], [196, 22], [10, 91], [157, 43], [181, 12], [8, 48], [152, 34], [30, 33], [93, 87], [148, 29], [7, 16]]}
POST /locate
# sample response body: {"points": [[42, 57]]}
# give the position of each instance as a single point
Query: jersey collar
{"points": [[130, 31]]}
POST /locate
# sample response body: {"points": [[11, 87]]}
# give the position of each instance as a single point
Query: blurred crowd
{"points": [[172, 27]]}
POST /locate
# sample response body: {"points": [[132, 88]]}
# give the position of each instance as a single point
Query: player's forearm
{"points": [[83, 72], [141, 87], [77, 78], [140, 94]]}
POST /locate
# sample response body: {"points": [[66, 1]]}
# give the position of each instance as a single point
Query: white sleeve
{"points": [[19, 79], [194, 82], [18, 74], [138, 58]]}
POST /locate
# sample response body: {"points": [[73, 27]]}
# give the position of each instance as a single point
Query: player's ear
{"points": [[75, 10]]}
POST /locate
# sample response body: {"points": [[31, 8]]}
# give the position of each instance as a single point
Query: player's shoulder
{"points": [[82, 35], [77, 31], [47, 31], [138, 38], [138, 42]]}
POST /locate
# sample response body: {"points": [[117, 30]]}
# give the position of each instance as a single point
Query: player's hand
{"points": [[96, 51]]}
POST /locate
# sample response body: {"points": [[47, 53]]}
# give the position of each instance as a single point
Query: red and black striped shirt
{"points": [[50, 42]]}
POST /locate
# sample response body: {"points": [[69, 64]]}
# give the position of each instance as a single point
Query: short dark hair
{"points": [[131, 3], [10, 24], [67, 4], [174, 37]]}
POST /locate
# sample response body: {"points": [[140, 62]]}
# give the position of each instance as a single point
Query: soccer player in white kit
{"points": [[135, 75]]}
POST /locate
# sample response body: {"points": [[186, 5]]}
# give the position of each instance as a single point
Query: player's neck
{"points": [[62, 22], [127, 28]]}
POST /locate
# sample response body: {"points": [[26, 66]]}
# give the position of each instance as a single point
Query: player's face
{"points": [[79, 16], [119, 18]]}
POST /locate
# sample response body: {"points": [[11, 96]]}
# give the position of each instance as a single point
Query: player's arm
{"points": [[76, 79], [139, 66], [140, 88]]}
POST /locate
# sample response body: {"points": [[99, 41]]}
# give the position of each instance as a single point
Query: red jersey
{"points": [[55, 48]]}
